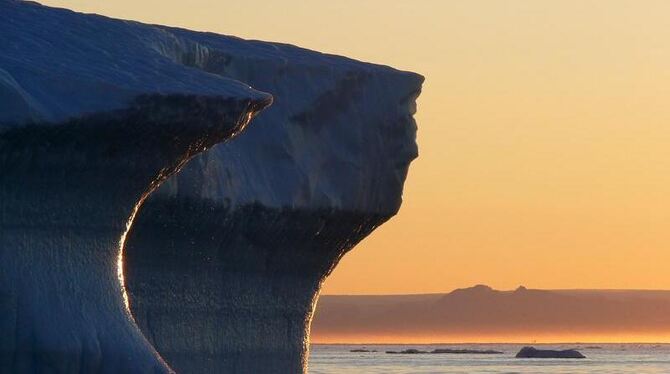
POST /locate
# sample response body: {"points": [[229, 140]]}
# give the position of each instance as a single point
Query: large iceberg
{"points": [[222, 262]]}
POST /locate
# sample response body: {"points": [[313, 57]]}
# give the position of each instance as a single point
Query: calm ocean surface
{"points": [[609, 358]]}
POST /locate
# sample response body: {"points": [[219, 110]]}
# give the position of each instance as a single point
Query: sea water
{"points": [[600, 358]]}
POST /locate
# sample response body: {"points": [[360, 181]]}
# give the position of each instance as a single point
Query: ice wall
{"points": [[226, 260], [90, 124]]}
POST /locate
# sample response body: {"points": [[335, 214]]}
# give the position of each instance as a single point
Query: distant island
{"points": [[532, 352], [412, 351], [483, 314]]}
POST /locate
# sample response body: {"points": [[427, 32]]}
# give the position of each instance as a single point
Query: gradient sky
{"points": [[544, 133]]}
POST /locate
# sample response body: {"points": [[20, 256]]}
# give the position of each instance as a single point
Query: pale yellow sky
{"points": [[544, 129]]}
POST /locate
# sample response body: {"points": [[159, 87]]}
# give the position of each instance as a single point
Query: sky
{"points": [[543, 133]]}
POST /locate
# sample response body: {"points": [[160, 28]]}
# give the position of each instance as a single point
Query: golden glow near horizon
{"points": [[609, 337], [544, 134]]}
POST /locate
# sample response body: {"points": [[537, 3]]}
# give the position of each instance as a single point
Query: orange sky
{"points": [[544, 133]]}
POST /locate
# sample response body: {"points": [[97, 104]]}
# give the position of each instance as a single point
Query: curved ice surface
{"points": [[80, 150], [56, 64]]}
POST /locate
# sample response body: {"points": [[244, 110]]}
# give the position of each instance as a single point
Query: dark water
{"points": [[601, 358]]}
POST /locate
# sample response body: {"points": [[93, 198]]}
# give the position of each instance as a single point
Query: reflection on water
{"points": [[601, 358]]}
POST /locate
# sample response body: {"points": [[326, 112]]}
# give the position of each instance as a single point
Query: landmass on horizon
{"points": [[482, 314]]}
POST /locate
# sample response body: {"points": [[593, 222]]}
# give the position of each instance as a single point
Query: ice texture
{"points": [[339, 135], [80, 150], [56, 64]]}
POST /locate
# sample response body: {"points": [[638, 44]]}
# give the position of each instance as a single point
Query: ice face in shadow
{"points": [[226, 260], [237, 289], [68, 195], [75, 164]]}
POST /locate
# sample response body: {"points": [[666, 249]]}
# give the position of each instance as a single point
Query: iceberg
{"points": [[135, 238]]}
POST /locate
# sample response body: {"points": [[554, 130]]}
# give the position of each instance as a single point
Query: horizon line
{"points": [[506, 290]]}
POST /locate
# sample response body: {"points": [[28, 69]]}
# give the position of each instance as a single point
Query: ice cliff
{"points": [[222, 262]]}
